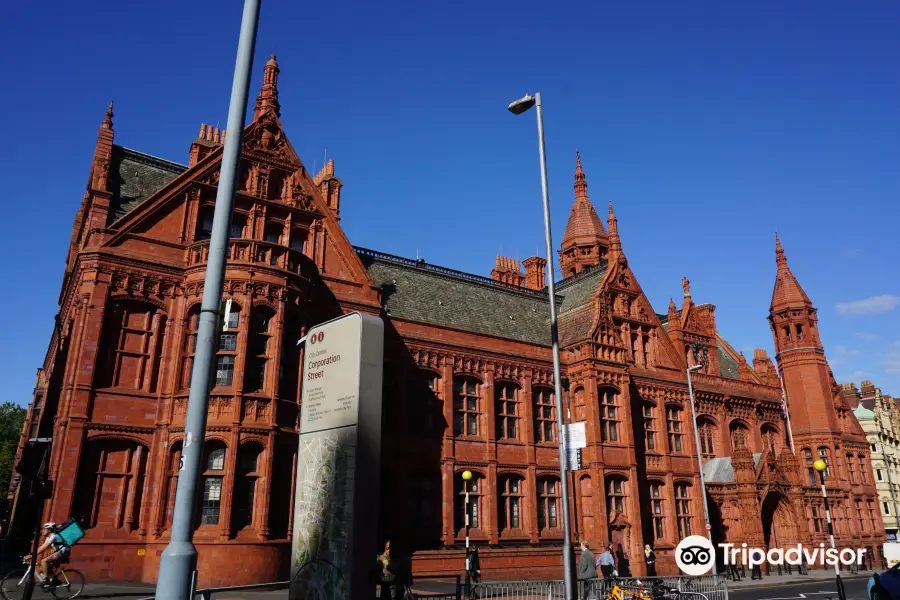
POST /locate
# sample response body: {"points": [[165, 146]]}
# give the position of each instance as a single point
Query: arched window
{"points": [[204, 224], [238, 222], [675, 429], [650, 440], [707, 431], [609, 416], [510, 487], [281, 506], [212, 478], [132, 346], [657, 510], [258, 350], [466, 409], [110, 486], [507, 415], [683, 509], [770, 438], [823, 455], [424, 501], [171, 484], [544, 415], [474, 487], [424, 403], [189, 346], [298, 239], [228, 342], [273, 233], [548, 503], [810, 471], [615, 495], [249, 470], [740, 436]]}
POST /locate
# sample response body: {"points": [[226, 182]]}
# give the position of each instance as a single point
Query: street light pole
{"points": [[820, 466], [518, 107], [178, 563], [700, 457], [466, 476]]}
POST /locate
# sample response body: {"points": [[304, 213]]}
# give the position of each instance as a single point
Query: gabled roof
{"points": [[135, 176], [425, 293], [720, 469]]}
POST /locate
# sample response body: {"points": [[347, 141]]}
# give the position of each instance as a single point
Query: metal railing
{"points": [[708, 586]]}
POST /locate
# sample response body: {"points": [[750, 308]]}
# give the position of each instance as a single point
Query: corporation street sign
{"points": [[338, 461]]}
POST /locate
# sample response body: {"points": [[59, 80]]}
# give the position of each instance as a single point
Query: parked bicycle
{"points": [[67, 583]]}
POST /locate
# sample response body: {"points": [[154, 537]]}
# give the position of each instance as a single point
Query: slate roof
{"points": [[727, 365], [576, 312], [134, 176], [418, 291], [720, 469]]}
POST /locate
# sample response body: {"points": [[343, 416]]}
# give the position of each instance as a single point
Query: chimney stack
{"points": [[535, 273]]}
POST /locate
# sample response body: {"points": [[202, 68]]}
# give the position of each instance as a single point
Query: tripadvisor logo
{"points": [[696, 555]]}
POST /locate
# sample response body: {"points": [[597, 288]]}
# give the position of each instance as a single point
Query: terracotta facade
{"points": [[467, 385]]}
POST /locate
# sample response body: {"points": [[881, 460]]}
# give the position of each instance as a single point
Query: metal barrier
{"points": [[711, 587]]}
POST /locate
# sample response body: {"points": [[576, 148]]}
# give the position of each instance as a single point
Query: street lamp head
{"points": [[820, 465], [466, 475], [695, 368], [521, 105]]}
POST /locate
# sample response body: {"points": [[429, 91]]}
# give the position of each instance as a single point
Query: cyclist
{"points": [[61, 550]]}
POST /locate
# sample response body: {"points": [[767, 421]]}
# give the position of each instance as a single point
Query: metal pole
{"points": [[468, 557], [787, 412], [179, 559], [565, 384], [700, 464], [837, 571], [39, 479], [568, 578]]}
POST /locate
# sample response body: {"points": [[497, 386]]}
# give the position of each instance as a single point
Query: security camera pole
{"points": [[820, 466], [178, 563], [517, 108]]}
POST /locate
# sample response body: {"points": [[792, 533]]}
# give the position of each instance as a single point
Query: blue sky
{"points": [[710, 125]]}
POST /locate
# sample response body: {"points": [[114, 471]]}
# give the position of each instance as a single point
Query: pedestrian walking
{"points": [[587, 571], [624, 565]]}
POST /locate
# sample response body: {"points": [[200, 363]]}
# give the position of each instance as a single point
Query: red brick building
{"points": [[468, 384]]}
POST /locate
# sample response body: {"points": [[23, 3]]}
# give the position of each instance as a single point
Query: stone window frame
{"points": [[615, 490], [651, 443], [213, 471], [511, 492], [113, 340], [656, 491], [255, 359], [508, 412], [246, 486], [683, 513], [708, 431], [610, 417], [549, 499], [675, 431], [476, 497], [466, 418], [544, 399], [229, 345]]}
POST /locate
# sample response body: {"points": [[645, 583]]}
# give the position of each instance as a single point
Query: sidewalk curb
{"points": [[798, 580]]}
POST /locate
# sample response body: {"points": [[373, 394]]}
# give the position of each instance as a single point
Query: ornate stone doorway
{"points": [[620, 532], [779, 524]]}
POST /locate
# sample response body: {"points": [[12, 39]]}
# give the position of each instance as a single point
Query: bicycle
{"points": [[68, 582]]}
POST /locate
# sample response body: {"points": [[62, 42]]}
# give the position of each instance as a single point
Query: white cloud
{"points": [[844, 351], [875, 305], [891, 360], [853, 377], [833, 362], [867, 336]]}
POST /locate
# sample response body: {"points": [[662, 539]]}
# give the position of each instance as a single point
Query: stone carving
{"points": [[686, 286]]}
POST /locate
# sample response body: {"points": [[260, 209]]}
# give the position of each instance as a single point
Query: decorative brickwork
{"points": [[467, 384]]}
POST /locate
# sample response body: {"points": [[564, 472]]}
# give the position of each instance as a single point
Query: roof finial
{"points": [[107, 120], [580, 180], [780, 258], [612, 224], [268, 93]]}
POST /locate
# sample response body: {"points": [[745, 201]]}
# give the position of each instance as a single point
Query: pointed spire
{"points": [[580, 179], [107, 120], [584, 223], [780, 258], [787, 292], [615, 244], [268, 93]]}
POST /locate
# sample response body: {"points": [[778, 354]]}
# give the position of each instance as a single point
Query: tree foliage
{"points": [[12, 417]]}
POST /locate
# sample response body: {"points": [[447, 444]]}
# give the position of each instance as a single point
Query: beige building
{"points": [[879, 416]]}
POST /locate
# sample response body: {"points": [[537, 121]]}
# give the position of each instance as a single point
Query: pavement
{"points": [[818, 585]]}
